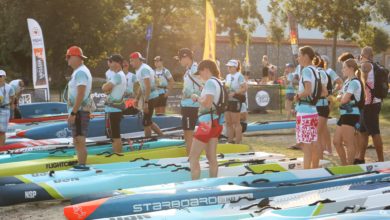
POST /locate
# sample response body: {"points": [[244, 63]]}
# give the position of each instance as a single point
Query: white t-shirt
{"points": [[109, 74], [131, 80], [6, 91], [80, 77], [146, 72], [16, 86], [119, 81]]}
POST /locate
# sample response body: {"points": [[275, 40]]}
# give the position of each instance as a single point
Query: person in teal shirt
{"points": [[307, 116], [191, 85], [210, 120], [349, 97], [290, 90], [164, 84]]}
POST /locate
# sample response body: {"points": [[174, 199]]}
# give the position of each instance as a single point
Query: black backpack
{"points": [[361, 102], [381, 80], [221, 106], [316, 95], [329, 86]]}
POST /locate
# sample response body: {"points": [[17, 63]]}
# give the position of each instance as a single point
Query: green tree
{"points": [[334, 18], [91, 24], [375, 37]]}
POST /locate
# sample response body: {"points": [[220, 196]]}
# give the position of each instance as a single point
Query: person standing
{"points": [[6, 103], [307, 116], [369, 120], [350, 95], [290, 90], [210, 119], [164, 84], [115, 89], [131, 89], [237, 87], [191, 85], [149, 93], [79, 103], [18, 86]]}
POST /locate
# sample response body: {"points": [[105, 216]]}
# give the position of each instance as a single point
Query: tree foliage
{"points": [[373, 36]]}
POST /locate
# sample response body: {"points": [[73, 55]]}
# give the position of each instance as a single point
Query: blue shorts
{"points": [[4, 119]]}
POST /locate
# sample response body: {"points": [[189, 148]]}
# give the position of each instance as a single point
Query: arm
{"points": [[79, 98], [366, 68], [307, 92], [206, 101], [147, 88], [170, 85], [346, 98], [107, 87], [339, 84]]}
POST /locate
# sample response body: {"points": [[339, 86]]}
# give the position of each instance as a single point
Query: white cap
{"points": [[2, 73], [233, 63]]}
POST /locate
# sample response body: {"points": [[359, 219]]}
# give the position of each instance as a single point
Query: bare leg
{"points": [[363, 145], [315, 155], [195, 153], [188, 136], [117, 145], [338, 144], [377, 139], [349, 139], [79, 143], [288, 105], [211, 154], [235, 117], [307, 156], [327, 139], [156, 129], [148, 131], [321, 131], [229, 126]]}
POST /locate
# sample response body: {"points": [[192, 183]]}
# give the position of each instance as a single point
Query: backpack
{"points": [[316, 95], [381, 78], [361, 102], [223, 99], [329, 86]]}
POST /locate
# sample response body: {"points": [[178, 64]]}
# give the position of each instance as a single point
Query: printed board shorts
{"points": [[306, 128], [80, 127], [4, 119], [113, 124]]}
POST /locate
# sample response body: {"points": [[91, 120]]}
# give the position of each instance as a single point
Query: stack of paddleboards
{"points": [[351, 192]]}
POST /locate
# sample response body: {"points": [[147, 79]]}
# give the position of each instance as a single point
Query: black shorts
{"points": [[234, 106], [369, 120], [147, 119], [351, 120], [113, 124], [323, 111], [189, 118], [161, 101], [80, 126]]}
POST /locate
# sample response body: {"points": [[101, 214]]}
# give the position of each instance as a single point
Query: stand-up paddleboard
{"points": [[223, 160], [112, 179], [276, 125], [48, 164], [60, 152], [273, 178], [156, 201], [97, 127], [42, 108]]}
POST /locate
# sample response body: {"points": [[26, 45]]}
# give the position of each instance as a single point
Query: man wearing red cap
{"points": [[79, 102], [146, 78]]}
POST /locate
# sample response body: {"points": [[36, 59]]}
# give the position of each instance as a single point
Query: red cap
{"points": [[75, 51], [136, 55]]}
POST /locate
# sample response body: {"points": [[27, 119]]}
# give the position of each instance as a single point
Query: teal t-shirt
{"points": [[290, 80], [307, 76], [234, 82], [118, 80], [145, 72], [352, 87], [162, 77], [324, 82], [211, 87], [191, 85], [80, 76], [131, 80]]}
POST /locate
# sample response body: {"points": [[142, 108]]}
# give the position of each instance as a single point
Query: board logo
{"points": [[63, 133], [30, 194], [262, 98]]}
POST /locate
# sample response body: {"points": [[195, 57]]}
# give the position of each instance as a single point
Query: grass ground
{"points": [[278, 141]]}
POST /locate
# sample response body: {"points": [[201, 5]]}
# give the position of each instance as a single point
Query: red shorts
{"points": [[205, 131]]}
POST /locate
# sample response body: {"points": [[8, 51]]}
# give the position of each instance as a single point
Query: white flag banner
{"points": [[40, 78]]}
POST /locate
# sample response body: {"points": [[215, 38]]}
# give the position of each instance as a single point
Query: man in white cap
{"points": [[6, 101]]}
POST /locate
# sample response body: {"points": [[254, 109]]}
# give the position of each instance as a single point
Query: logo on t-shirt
{"points": [[262, 98]]}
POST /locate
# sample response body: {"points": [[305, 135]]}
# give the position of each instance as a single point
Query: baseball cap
{"points": [[290, 65], [183, 52], [75, 51], [157, 58], [233, 63], [136, 55], [2, 73], [116, 58]]}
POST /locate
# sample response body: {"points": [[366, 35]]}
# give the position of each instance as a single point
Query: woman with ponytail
{"points": [[350, 103]]}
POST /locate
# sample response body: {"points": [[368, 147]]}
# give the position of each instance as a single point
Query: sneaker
{"points": [[80, 167]]}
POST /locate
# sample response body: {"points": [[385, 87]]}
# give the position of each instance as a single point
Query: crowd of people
{"points": [[358, 96], [209, 102]]}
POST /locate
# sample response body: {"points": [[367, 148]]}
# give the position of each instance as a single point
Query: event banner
{"points": [[40, 77], [210, 33], [293, 34]]}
